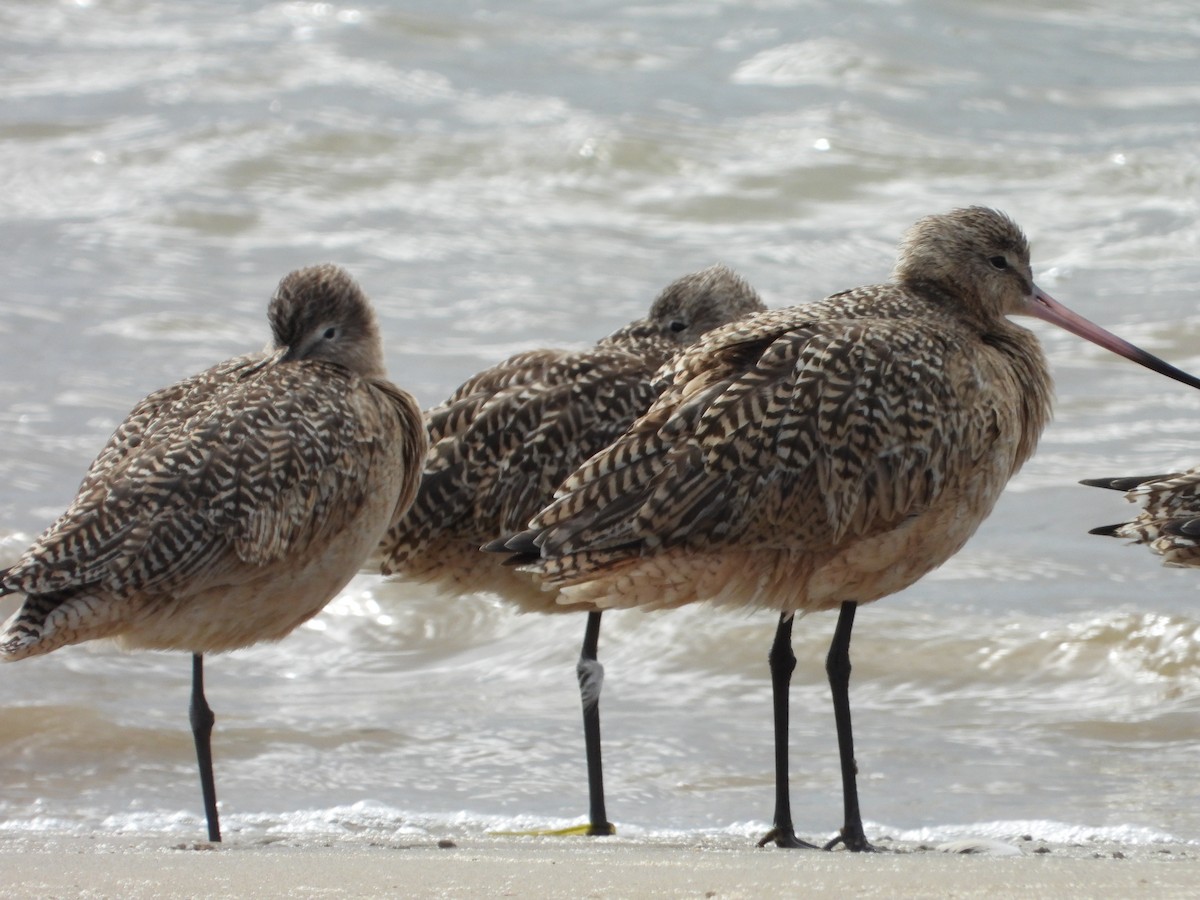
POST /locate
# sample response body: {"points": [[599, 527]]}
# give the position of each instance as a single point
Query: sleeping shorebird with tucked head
{"points": [[231, 507], [508, 437], [821, 457], [1169, 522]]}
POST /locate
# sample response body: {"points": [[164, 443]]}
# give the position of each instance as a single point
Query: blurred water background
{"points": [[501, 176]]}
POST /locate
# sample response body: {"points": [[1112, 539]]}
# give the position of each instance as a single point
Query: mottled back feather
{"points": [[508, 436]]}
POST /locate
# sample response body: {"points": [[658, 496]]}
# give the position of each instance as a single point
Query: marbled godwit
{"points": [[1169, 522], [508, 437], [232, 506], [822, 456]]}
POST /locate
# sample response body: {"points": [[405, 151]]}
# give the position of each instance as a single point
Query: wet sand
{"points": [[137, 867]]}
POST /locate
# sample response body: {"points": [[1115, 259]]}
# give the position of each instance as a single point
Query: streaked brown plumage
{"points": [[1169, 522], [232, 506], [507, 438], [821, 456], [502, 442]]}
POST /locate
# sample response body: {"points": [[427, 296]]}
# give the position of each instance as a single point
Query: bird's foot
{"points": [[785, 837], [853, 840]]}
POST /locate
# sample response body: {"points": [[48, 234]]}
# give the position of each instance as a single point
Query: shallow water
{"points": [[506, 176]]}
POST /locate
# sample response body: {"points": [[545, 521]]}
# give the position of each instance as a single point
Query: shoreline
{"points": [[365, 865]]}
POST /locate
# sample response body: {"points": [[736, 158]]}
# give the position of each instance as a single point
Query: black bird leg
{"points": [[591, 681], [782, 661], [837, 666], [202, 718]]}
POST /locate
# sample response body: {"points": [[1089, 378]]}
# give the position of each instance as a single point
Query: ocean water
{"points": [[507, 176]]}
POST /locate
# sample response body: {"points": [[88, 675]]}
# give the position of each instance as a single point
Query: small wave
{"points": [[1133, 646], [1038, 830], [380, 822]]}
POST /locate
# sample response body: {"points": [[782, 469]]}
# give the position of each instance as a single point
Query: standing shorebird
{"points": [[232, 506], [1169, 522], [822, 456], [508, 437]]}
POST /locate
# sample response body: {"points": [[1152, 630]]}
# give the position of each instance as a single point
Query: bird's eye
{"points": [[999, 262], [330, 333], [677, 326]]}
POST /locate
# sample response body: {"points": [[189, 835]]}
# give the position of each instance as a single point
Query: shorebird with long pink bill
{"points": [[1169, 521], [822, 456], [232, 506], [508, 437]]}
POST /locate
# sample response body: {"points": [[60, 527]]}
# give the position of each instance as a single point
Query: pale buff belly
{"points": [[262, 603], [793, 578]]}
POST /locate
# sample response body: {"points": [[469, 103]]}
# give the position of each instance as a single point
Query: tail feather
{"points": [[1188, 528], [1124, 483], [523, 548]]}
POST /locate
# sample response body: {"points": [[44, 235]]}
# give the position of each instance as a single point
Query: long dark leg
{"points": [[202, 718], [782, 661], [591, 681], [837, 666]]}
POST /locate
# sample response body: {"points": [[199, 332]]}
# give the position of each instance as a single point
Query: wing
{"points": [[259, 468], [161, 411], [463, 406], [787, 431], [500, 457], [562, 427]]}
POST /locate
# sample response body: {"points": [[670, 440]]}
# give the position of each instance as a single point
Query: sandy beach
{"points": [[135, 867]]}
